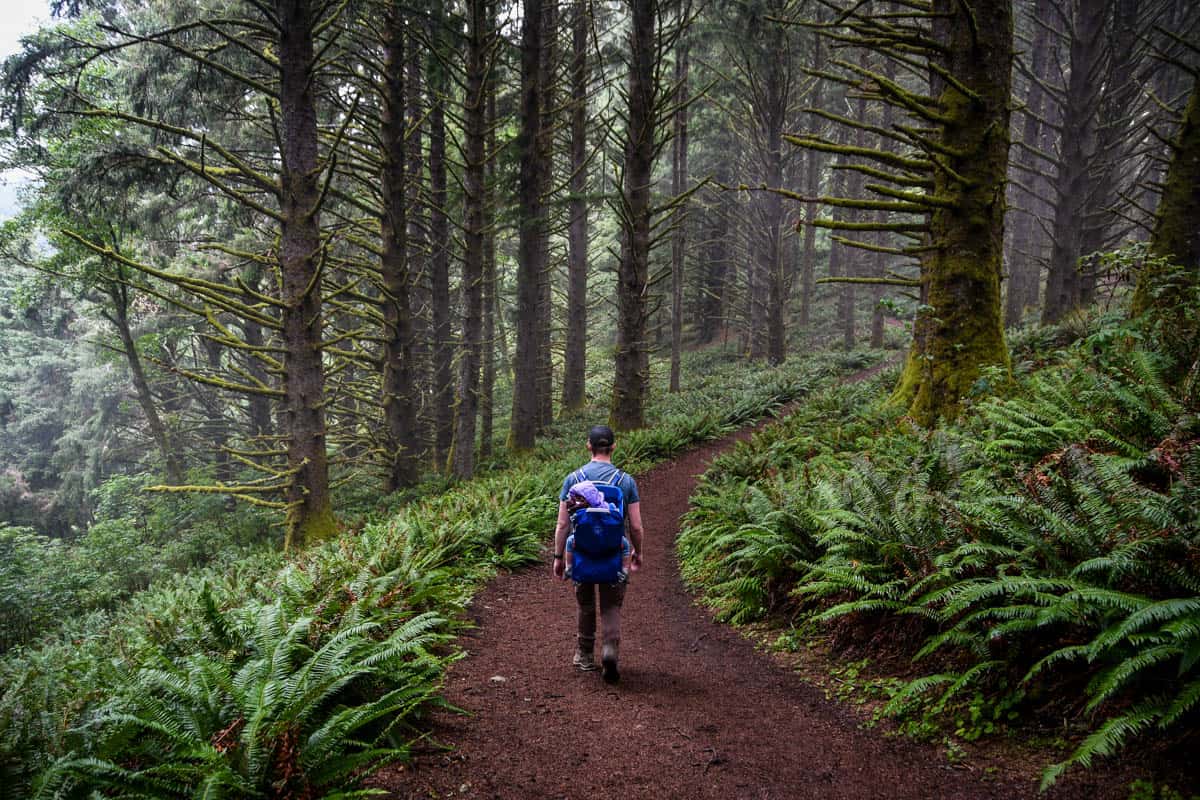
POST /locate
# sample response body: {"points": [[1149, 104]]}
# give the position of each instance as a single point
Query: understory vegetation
{"points": [[1040, 555], [277, 677]]}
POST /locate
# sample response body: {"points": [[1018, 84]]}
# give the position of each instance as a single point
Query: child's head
{"points": [[584, 495]]}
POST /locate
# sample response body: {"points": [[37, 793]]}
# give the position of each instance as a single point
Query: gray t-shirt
{"points": [[602, 472]]}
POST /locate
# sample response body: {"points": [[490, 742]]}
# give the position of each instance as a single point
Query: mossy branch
{"points": [[919, 198], [213, 292], [874, 248], [892, 227], [882, 156], [228, 386], [906, 282], [902, 180], [923, 106]]}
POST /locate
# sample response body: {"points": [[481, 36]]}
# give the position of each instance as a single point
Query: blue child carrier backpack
{"points": [[596, 557]]}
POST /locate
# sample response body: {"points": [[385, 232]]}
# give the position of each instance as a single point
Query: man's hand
{"points": [[560, 568], [635, 561]]}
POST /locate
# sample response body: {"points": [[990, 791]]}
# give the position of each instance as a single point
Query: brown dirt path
{"points": [[698, 712]]}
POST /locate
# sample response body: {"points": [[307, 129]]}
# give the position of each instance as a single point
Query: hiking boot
{"points": [[608, 664], [584, 662]]}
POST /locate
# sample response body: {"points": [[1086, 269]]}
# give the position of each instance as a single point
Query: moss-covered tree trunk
{"points": [[310, 512], [960, 329], [1176, 238], [416, 189], [462, 460]]}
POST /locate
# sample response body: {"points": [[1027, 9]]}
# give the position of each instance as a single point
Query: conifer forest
{"points": [[307, 306]]}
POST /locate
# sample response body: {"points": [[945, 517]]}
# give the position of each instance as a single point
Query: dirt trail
{"points": [[698, 712]]}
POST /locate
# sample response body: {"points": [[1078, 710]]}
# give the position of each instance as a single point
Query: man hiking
{"points": [[600, 470]]}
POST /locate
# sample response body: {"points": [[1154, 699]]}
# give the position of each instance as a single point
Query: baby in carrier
{"points": [[585, 495]]}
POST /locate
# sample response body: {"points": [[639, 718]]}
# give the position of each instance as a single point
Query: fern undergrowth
{"points": [[276, 677], [1046, 548]]}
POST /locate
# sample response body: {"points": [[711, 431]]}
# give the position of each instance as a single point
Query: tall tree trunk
{"points": [[838, 252], [439, 237], [709, 304], [778, 280], [848, 315], [575, 350], [399, 379], [310, 512], [1024, 265], [217, 428], [420, 300], [474, 133], [630, 382], [532, 226], [813, 164], [1078, 147], [679, 181], [488, 378], [545, 144], [1176, 237], [118, 293], [962, 331], [883, 239]]}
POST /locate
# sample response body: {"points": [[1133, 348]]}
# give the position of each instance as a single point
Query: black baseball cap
{"points": [[601, 436]]}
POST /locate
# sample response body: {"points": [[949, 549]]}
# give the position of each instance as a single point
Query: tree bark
{"points": [[774, 113], [961, 329], [813, 164], [118, 293], [310, 512], [1024, 260], [575, 350], [548, 86], [474, 134], [399, 380], [524, 420], [420, 299], [488, 378], [1176, 237], [1078, 147], [679, 181], [631, 379], [442, 390]]}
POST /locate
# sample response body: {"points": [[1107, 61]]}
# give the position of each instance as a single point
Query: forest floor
{"points": [[699, 712]]}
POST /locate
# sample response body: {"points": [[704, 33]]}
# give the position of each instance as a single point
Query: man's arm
{"points": [[561, 527], [634, 513]]}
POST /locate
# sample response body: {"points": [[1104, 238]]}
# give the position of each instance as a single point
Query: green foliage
{"points": [[137, 539], [1047, 546], [233, 676], [260, 710]]}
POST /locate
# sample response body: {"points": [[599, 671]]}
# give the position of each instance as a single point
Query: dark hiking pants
{"points": [[611, 595]]}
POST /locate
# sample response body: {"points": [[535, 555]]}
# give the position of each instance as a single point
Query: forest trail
{"points": [[698, 713]]}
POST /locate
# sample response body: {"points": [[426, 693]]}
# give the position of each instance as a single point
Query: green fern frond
{"points": [[1104, 742]]}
